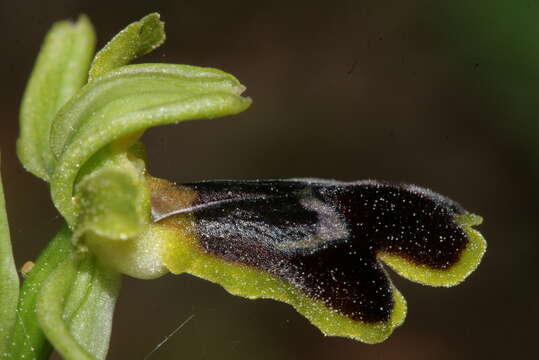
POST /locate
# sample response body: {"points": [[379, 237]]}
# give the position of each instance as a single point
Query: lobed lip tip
{"points": [[476, 219], [469, 219]]}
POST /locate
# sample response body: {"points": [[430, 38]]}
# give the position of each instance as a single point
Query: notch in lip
{"points": [[220, 205]]}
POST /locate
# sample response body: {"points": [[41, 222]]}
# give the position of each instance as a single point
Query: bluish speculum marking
{"points": [[323, 237]]}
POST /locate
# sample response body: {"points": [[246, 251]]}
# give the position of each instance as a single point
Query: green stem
{"points": [[28, 340], [9, 280]]}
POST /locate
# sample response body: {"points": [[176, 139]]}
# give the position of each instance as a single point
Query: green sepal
{"points": [[61, 69], [75, 307], [137, 39], [127, 101], [9, 280], [28, 340]]}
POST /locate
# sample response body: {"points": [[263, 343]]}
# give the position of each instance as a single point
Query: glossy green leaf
{"points": [[28, 340], [60, 70], [135, 40], [9, 280], [127, 101], [76, 305]]}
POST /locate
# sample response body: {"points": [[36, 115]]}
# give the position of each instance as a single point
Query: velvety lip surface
{"points": [[324, 237]]}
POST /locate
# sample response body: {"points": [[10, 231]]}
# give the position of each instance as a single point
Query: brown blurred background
{"points": [[440, 95]]}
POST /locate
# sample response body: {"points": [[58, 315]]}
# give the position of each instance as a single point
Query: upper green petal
{"points": [[136, 39], [60, 70]]}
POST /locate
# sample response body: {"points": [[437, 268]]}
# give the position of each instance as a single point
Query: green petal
{"points": [[9, 280], [76, 305], [60, 70], [28, 340], [127, 101], [135, 40]]}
